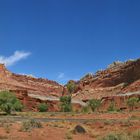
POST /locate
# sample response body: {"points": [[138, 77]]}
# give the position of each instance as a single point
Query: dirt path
{"points": [[75, 118]]}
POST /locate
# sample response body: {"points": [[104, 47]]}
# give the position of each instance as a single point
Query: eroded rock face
{"points": [[22, 85], [11, 81], [117, 78], [119, 102]]}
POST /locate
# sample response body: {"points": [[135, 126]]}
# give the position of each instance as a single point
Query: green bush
{"points": [[112, 107], [132, 102], [18, 106], [94, 104], [43, 107], [9, 102], [65, 104], [85, 109]]}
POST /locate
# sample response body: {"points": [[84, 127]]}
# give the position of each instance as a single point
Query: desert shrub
{"points": [[136, 135], [114, 136], [65, 104], [68, 136], [9, 102], [112, 107], [85, 109], [94, 104], [124, 136], [43, 107], [132, 102], [29, 125], [7, 127]]}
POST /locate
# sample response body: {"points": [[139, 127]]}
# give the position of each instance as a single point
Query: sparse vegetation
{"points": [[7, 127], [68, 136], [132, 102], [9, 102], [43, 107], [94, 104], [86, 109], [65, 104], [124, 136], [112, 107], [136, 135], [29, 125], [113, 136]]}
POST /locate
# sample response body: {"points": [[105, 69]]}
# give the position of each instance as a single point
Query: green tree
{"points": [[9, 102], [132, 102], [65, 103], [94, 104], [71, 86], [43, 107]]}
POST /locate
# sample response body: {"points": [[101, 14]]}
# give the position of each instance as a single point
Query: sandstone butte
{"points": [[117, 83]]}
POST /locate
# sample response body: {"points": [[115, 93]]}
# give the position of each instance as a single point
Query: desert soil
{"points": [[100, 125]]}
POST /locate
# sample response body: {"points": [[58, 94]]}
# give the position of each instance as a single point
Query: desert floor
{"points": [[61, 126]]}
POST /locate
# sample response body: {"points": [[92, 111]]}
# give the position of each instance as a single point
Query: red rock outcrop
{"points": [[119, 102], [11, 81], [117, 78]]}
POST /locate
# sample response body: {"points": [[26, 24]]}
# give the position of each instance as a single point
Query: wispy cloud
{"points": [[63, 78], [11, 60]]}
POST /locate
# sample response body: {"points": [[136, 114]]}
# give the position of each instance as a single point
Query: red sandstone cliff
{"points": [[11, 81], [117, 78]]}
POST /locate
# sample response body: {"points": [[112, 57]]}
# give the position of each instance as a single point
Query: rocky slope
{"points": [[116, 79], [11, 81]]}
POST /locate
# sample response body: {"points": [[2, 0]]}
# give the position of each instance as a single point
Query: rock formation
{"points": [[118, 82], [116, 79], [11, 81]]}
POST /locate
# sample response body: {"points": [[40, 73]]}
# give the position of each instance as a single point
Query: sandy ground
{"points": [[63, 130]]}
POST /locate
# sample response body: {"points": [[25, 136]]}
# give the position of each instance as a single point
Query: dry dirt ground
{"points": [[96, 126]]}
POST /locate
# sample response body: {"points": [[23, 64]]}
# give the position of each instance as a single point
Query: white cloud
{"points": [[60, 76], [17, 56]]}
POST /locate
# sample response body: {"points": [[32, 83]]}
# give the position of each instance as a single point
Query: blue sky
{"points": [[65, 39]]}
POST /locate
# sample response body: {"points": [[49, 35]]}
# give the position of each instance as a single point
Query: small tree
{"points": [[132, 102], [65, 103], [71, 86], [9, 102], [43, 107], [94, 104]]}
